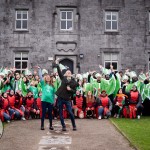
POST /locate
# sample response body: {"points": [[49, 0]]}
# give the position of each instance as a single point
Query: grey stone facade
{"points": [[44, 39]]}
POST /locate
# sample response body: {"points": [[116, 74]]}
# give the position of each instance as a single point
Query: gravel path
{"points": [[91, 135]]}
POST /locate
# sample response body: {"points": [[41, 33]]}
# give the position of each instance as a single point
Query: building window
{"points": [[111, 21], [21, 20], [66, 20], [111, 59], [21, 61]]}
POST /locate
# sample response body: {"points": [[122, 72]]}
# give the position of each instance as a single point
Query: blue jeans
{"points": [[101, 112], [6, 116], [50, 108], [12, 111], [22, 108], [62, 102]]}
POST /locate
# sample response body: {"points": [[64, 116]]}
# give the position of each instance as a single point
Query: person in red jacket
{"points": [[30, 111], [19, 104], [5, 111], [104, 105], [89, 105], [11, 98], [78, 105], [135, 103]]}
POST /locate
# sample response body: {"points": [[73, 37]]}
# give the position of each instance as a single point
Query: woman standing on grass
{"points": [[48, 93]]}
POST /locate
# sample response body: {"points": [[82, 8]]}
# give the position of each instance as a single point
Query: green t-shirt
{"points": [[48, 92], [34, 90]]}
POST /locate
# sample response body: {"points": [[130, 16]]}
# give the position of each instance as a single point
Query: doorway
{"points": [[68, 63]]}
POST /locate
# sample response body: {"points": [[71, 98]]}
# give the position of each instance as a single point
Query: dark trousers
{"points": [[117, 110], [139, 110], [61, 103], [50, 108]]}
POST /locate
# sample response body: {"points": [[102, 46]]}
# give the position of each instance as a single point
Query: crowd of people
{"points": [[36, 94]]}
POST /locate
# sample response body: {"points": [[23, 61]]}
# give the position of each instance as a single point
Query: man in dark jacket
{"points": [[64, 93]]}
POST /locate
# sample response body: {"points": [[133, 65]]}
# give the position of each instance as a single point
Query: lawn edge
{"points": [[123, 134]]}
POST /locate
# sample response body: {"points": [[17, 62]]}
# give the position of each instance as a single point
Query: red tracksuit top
{"points": [[134, 96], [79, 101], [11, 101], [104, 101]]}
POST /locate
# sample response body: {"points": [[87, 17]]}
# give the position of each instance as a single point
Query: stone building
{"points": [[82, 33]]}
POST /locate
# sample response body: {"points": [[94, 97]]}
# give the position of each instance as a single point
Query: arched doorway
{"points": [[68, 63]]}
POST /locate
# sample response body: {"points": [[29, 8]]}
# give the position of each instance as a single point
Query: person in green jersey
{"points": [[48, 93]]}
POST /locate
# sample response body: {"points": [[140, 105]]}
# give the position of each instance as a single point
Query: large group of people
{"points": [[36, 94]]}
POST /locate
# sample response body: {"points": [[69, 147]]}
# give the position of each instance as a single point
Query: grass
{"points": [[137, 131]]}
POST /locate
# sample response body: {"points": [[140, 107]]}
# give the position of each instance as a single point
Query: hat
{"points": [[105, 71], [98, 75], [27, 72], [2, 74], [5, 71], [133, 74], [79, 76], [84, 76], [44, 71], [142, 77], [125, 77]]}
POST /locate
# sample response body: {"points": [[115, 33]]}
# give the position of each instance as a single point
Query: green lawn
{"points": [[137, 131]]}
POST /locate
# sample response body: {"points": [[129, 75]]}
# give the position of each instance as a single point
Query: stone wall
{"points": [[44, 38]]}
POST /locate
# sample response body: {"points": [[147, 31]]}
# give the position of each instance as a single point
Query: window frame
{"points": [[21, 19], [21, 60], [66, 11], [111, 20], [112, 61]]}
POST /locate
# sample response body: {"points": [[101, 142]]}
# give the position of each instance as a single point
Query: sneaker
{"points": [[30, 118], [100, 117], [117, 116], [23, 118], [105, 117], [138, 117], [74, 128], [64, 129], [8, 121], [51, 128], [42, 128]]}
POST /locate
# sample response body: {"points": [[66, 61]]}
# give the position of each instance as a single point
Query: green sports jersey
{"points": [[24, 89], [34, 90], [48, 92]]}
